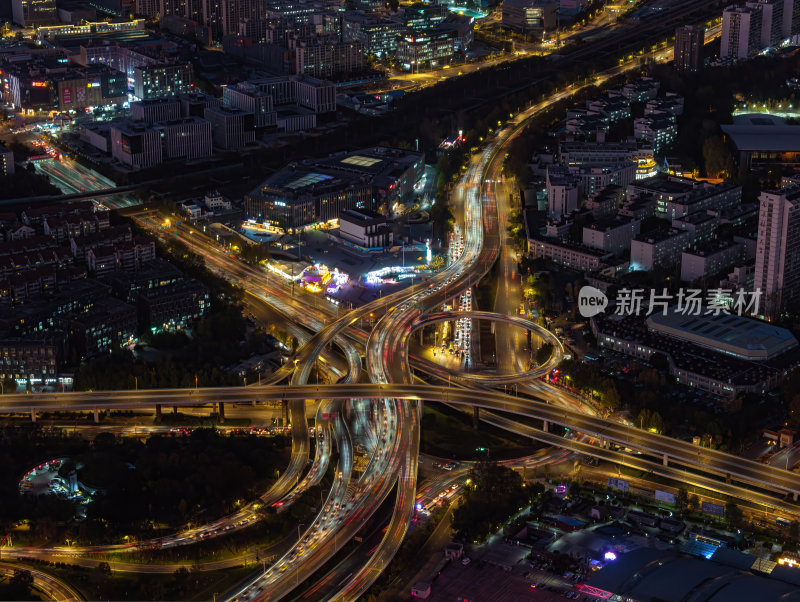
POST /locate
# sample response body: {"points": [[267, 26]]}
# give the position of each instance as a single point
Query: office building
{"points": [[186, 138], [158, 80], [365, 228], [231, 128], [427, 49], [250, 98], [741, 32], [420, 17], [319, 190], [528, 16], [136, 144], [777, 269], [156, 109], [689, 52], [30, 13], [194, 104], [328, 59], [377, 35]]}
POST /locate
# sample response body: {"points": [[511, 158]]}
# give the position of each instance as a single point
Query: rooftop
{"points": [[731, 334], [763, 132], [650, 574]]}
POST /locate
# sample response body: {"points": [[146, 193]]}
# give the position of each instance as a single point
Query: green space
{"points": [[449, 433], [144, 488], [492, 495]]}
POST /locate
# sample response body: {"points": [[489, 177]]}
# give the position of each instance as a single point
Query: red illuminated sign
{"points": [[66, 96]]}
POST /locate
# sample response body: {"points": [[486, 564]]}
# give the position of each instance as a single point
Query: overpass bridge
{"points": [[724, 469]]}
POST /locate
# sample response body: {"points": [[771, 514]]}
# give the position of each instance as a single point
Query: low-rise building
{"points": [[710, 259], [29, 358], [569, 254], [659, 131], [611, 234], [173, 306], [658, 249], [365, 228]]}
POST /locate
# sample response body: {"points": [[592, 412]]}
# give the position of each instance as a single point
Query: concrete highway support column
{"points": [[666, 460], [285, 412], [158, 412], [476, 417], [33, 414], [174, 409], [794, 495], [221, 412], [545, 426], [96, 416]]}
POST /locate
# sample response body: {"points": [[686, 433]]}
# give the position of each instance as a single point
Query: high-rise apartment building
{"points": [[741, 32], [689, 48], [777, 273], [771, 21]]}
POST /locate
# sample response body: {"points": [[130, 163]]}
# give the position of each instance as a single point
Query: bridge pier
{"points": [[728, 479], [174, 409], [222, 412], [794, 496], [158, 412], [285, 412], [33, 414], [96, 416], [666, 460], [545, 426], [476, 417]]}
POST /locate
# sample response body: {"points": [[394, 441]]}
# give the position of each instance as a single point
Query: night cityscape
{"points": [[377, 300]]}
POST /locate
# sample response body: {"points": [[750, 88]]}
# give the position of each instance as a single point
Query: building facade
{"points": [[689, 51], [777, 269]]}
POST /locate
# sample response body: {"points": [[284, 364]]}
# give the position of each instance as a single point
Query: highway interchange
{"points": [[384, 414]]}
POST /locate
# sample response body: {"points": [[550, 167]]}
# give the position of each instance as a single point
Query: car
{"points": [[466, 560]]}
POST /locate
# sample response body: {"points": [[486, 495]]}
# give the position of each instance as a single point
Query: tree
{"points": [[693, 503], [543, 353], [659, 361], [734, 515], [794, 531], [718, 158], [681, 499]]}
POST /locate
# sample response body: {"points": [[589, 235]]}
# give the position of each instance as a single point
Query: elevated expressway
{"points": [[671, 451]]}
